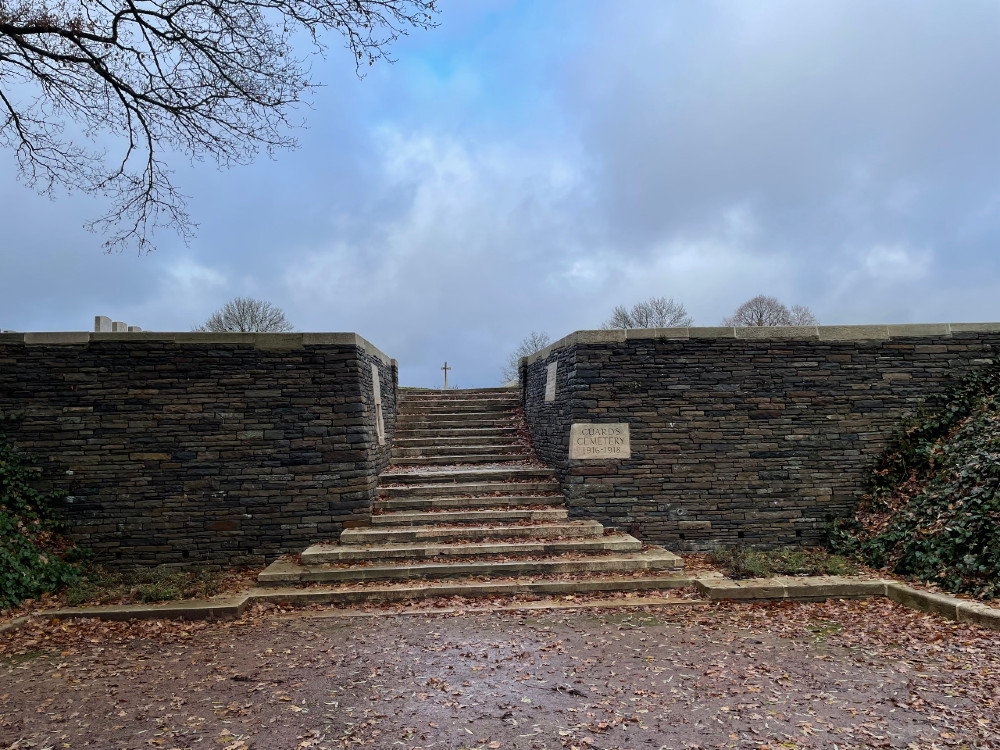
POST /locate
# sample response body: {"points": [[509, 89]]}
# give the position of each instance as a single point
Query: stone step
{"points": [[459, 393], [427, 433], [435, 407], [453, 449], [509, 515], [452, 422], [487, 458], [285, 571], [488, 438], [343, 553], [467, 589], [468, 488], [486, 501], [435, 534], [460, 476]]}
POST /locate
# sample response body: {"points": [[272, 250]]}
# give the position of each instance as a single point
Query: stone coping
{"points": [[792, 333], [712, 586], [262, 341]]}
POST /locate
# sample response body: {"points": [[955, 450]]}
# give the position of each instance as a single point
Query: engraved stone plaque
{"points": [[599, 441], [377, 387], [550, 381]]}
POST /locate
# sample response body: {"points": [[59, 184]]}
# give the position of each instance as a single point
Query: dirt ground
{"points": [[828, 675]]}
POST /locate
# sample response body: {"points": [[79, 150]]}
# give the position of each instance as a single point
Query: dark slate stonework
{"points": [[210, 449], [759, 441]]}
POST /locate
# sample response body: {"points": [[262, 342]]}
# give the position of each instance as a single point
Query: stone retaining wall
{"points": [[220, 449], [757, 436]]}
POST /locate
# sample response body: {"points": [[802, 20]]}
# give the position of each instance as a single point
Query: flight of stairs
{"points": [[466, 500]]}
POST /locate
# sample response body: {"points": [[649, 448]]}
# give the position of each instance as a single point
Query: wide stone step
{"points": [[464, 458], [509, 515], [466, 488], [486, 501], [459, 476], [487, 439], [434, 534], [511, 394], [452, 422], [430, 433], [344, 553], [435, 407], [286, 571], [454, 449]]}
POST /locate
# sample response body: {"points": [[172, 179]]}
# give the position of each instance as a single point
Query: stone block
{"points": [[923, 601]]}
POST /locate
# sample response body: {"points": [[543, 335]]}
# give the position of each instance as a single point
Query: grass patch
{"points": [[143, 586], [744, 562]]}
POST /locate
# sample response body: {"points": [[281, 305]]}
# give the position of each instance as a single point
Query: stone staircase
{"points": [[467, 500]]}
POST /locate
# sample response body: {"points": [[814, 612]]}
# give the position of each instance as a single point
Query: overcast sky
{"points": [[528, 166]]}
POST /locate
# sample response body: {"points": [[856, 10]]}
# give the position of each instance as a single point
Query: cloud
{"points": [[528, 166]]}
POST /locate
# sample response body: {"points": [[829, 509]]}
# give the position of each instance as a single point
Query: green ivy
{"points": [[32, 555], [932, 509]]}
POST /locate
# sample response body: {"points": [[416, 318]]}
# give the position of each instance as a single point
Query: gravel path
{"points": [[828, 675]]}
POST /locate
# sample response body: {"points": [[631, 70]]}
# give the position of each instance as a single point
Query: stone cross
{"points": [[446, 368]]}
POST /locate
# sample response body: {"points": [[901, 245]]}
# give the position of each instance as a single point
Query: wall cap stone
{"points": [[786, 333], [262, 341]]}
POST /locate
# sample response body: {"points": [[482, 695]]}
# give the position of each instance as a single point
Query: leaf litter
{"points": [[839, 674]]}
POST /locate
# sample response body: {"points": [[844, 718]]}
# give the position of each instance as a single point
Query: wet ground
{"points": [[845, 675]]}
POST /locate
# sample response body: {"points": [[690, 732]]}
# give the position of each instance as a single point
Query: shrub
{"points": [[932, 508], [32, 554]]}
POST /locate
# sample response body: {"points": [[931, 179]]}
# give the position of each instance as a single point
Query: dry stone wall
{"points": [[212, 449], [752, 436]]}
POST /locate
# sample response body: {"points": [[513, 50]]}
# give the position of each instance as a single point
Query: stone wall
{"points": [[220, 449], [754, 436]]}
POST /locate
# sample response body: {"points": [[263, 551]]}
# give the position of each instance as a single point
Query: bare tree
{"points": [[768, 311], [533, 342], [802, 316], [247, 315], [206, 78], [656, 312]]}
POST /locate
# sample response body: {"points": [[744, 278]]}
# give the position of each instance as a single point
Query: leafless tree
{"points": [[802, 316], [768, 311], [656, 312], [212, 79], [247, 315], [533, 342]]}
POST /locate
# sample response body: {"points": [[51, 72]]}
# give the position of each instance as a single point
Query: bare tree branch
{"points": [[207, 78], [247, 315], [656, 312], [768, 311], [533, 342]]}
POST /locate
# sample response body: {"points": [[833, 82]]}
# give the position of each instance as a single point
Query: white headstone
{"points": [[599, 441], [102, 324], [134, 329], [119, 327], [377, 388], [550, 381]]}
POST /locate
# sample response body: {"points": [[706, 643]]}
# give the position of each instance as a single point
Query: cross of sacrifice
{"points": [[446, 368]]}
